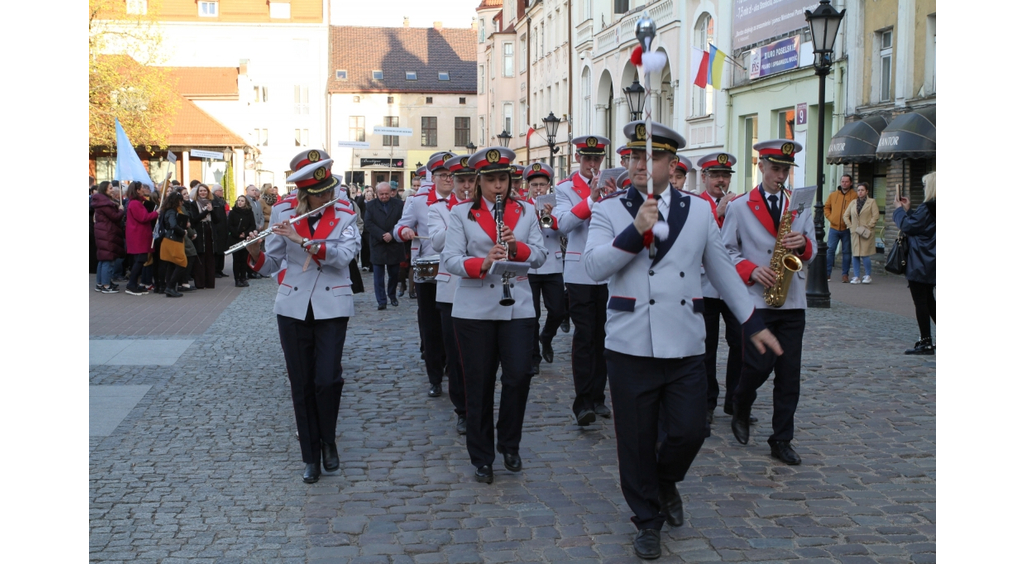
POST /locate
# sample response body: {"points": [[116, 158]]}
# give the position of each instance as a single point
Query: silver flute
{"points": [[270, 230]]}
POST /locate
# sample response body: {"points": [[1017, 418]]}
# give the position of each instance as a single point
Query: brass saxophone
{"points": [[499, 223], [784, 264]]}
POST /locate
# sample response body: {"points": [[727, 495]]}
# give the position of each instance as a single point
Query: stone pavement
{"points": [[205, 467]]}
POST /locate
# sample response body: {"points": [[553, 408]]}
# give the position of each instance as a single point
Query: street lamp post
{"points": [[635, 99], [551, 128], [471, 147], [824, 23], [504, 137]]}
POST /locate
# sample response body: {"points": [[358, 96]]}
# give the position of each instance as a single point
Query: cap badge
{"points": [[787, 148], [493, 156], [313, 156], [320, 173], [641, 132], [723, 159], [537, 167], [447, 156], [464, 162], [591, 141]]}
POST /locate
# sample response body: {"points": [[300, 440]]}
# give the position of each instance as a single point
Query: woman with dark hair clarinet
{"points": [[200, 211], [486, 323], [240, 224], [314, 301]]}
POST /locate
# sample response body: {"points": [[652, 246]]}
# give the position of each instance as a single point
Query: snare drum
{"points": [[425, 269]]}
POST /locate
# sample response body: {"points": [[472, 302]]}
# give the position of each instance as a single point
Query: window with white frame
{"points": [[929, 55], [302, 138], [884, 39], [428, 131], [443, 76], [542, 38], [480, 83], [461, 131], [260, 94], [522, 53], [507, 113], [481, 31], [356, 128], [410, 75], [390, 140], [522, 117], [301, 99], [260, 137], [341, 74], [378, 75], [208, 9], [483, 132], [702, 99], [507, 59], [621, 6]]}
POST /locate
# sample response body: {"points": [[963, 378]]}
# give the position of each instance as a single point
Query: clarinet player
{"points": [[494, 333]]}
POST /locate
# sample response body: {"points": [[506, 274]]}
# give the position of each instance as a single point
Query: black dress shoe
{"points": [[784, 452], [394, 302], [172, 294], [727, 408], [602, 410], [460, 425], [565, 325], [382, 306], [434, 391], [535, 369], [585, 417], [647, 544], [238, 284], [547, 352], [312, 473], [329, 452], [741, 428], [512, 461], [671, 504], [484, 474]]}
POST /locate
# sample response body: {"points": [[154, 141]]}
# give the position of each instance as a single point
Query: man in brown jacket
{"points": [[835, 205]]}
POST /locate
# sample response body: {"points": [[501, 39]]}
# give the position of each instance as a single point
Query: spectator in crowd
{"points": [[173, 224], [107, 216], [200, 211], [253, 194], [220, 229], [919, 228], [364, 253], [240, 224], [92, 235], [386, 253], [159, 265], [861, 217], [839, 232], [268, 199], [138, 235]]}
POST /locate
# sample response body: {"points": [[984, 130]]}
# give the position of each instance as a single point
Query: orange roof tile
{"points": [[192, 127], [204, 82]]}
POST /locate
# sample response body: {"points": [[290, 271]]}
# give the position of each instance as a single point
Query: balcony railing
{"points": [[623, 33]]}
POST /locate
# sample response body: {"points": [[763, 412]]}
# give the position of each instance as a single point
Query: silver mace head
{"points": [[645, 31]]}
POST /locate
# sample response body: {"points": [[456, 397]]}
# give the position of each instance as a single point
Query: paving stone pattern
{"points": [[206, 467]]}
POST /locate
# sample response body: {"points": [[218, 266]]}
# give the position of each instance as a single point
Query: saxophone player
{"points": [[750, 232]]}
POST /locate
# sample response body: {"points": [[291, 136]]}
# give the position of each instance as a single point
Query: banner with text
{"points": [[758, 20], [381, 163], [775, 57]]}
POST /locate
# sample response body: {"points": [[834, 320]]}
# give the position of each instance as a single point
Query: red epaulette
{"points": [[344, 209]]}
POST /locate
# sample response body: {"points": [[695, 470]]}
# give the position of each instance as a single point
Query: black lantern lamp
{"points": [[471, 147], [635, 99], [551, 128], [824, 22], [504, 138]]}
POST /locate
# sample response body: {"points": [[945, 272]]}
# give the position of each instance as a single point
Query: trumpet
{"points": [[270, 230], [545, 219]]}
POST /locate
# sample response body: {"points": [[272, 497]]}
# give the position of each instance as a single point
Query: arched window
{"points": [[702, 98]]}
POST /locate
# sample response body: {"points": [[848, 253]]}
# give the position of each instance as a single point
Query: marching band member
{"points": [[438, 218], [487, 332], [547, 279], [678, 177], [716, 175], [313, 302], [517, 181], [623, 152], [414, 222], [587, 297], [750, 232], [654, 331]]}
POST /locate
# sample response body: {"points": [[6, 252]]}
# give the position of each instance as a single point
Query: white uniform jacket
{"points": [[553, 244], [438, 217], [325, 281], [655, 306], [414, 216], [706, 287], [749, 234], [466, 246], [573, 215]]}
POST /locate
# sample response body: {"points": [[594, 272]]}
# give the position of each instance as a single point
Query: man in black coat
{"points": [[385, 251]]}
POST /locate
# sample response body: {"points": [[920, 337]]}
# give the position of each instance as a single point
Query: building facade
{"points": [[421, 81]]}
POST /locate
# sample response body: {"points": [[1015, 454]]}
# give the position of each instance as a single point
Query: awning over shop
{"points": [[856, 142], [909, 136]]}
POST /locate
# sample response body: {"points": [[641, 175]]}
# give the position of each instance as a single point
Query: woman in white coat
{"points": [[488, 333], [314, 301], [861, 216]]}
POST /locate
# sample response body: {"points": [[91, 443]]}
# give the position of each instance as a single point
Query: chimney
{"points": [[243, 66], [437, 26], [405, 21]]}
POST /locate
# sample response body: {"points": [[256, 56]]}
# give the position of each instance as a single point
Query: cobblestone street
{"points": [[204, 467]]}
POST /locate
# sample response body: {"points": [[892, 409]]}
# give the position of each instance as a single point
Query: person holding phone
{"points": [[919, 228]]}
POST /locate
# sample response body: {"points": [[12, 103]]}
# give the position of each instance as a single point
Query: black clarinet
{"points": [[499, 224]]}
